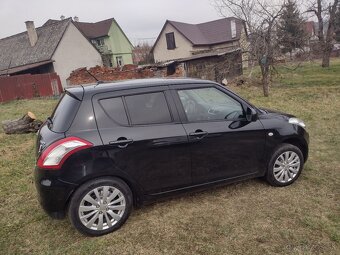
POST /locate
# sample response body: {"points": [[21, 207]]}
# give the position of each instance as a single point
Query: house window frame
{"points": [[119, 61], [170, 41], [100, 41]]}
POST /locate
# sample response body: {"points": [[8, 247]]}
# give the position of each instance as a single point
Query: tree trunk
{"points": [[326, 58], [265, 79], [26, 124]]}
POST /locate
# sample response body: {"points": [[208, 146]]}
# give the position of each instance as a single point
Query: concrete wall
{"points": [[74, 51], [183, 46], [119, 45]]}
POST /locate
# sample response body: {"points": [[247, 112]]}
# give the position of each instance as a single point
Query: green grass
{"points": [[245, 218]]}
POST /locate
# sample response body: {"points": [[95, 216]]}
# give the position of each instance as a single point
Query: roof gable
{"points": [[213, 32], [17, 51], [208, 33], [98, 29]]}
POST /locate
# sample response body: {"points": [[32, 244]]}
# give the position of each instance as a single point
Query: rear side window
{"points": [[64, 113], [150, 108], [114, 107]]}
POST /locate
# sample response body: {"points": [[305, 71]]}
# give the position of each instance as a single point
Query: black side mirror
{"points": [[251, 114]]}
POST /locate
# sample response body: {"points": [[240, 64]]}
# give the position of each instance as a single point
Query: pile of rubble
{"points": [[127, 72]]}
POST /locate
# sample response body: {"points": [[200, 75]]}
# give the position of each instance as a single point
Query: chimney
{"points": [[76, 19], [233, 28], [32, 33]]}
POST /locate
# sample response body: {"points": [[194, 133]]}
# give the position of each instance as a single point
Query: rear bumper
{"points": [[53, 194]]}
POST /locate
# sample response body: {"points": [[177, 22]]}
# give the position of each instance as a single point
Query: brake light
{"points": [[55, 155]]}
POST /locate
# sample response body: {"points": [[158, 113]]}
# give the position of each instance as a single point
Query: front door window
{"points": [[208, 104]]}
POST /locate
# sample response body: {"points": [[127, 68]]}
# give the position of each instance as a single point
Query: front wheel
{"points": [[100, 206], [285, 165]]}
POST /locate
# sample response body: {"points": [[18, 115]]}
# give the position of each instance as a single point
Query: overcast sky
{"points": [[138, 18]]}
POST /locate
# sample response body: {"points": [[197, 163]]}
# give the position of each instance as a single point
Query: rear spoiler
{"points": [[76, 92]]}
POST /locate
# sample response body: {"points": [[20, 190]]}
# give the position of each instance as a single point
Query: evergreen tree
{"points": [[291, 32]]}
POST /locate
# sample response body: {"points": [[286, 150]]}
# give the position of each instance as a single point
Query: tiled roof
{"points": [[16, 50], [95, 30]]}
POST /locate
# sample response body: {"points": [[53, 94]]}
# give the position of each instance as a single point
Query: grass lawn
{"points": [[245, 218]]}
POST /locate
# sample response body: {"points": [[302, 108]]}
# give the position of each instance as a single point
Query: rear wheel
{"points": [[100, 206], [285, 165]]}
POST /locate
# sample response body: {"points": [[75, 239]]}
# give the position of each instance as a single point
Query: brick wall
{"points": [[82, 76]]}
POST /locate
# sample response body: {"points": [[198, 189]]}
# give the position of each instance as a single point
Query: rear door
{"points": [[144, 137], [222, 143]]}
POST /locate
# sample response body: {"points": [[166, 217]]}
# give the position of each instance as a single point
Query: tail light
{"points": [[55, 155]]}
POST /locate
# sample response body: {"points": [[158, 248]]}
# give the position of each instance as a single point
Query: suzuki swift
{"points": [[109, 147]]}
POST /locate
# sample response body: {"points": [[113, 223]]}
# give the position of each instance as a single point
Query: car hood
{"points": [[275, 113]]}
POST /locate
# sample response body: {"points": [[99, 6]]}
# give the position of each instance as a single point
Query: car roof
{"points": [[131, 84]]}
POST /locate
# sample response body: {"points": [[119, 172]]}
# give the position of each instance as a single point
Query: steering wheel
{"points": [[232, 114]]}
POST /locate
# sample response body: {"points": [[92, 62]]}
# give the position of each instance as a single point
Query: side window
{"points": [[114, 108], [204, 104], [150, 108]]}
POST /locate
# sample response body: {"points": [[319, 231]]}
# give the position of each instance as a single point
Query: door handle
{"points": [[199, 134], [121, 142]]}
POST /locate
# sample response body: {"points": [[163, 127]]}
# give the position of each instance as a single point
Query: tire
{"points": [[285, 165], [100, 206]]}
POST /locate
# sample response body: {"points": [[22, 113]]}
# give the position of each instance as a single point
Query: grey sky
{"points": [[138, 18]]}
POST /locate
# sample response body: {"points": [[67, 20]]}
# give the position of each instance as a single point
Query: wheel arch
{"points": [[300, 144], [136, 194]]}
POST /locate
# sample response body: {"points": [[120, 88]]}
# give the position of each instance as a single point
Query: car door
{"points": [[145, 137], [223, 144]]}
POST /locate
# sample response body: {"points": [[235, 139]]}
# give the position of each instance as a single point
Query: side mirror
{"points": [[251, 114]]}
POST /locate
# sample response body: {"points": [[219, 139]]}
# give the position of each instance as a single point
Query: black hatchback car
{"points": [[109, 147]]}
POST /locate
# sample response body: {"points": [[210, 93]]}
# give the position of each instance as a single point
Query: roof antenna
{"points": [[98, 81]]}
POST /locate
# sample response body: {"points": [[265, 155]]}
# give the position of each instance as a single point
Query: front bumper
{"points": [[53, 194]]}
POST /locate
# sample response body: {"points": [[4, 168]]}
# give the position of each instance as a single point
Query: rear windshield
{"points": [[64, 113]]}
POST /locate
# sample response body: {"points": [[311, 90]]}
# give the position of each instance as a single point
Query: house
{"points": [[57, 46], [108, 37], [179, 40], [311, 29]]}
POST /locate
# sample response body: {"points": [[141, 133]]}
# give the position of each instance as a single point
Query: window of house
{"points": [[119, 61], [150, 108], [114, 108], [206, 104], [170, 41], [100, 42]]}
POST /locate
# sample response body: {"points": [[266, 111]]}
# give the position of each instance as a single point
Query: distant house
{"points": [[311, 28], [57, 46], [108, 37], [179, 40]]}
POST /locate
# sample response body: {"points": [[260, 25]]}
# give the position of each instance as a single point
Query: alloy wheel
{"points": [[286, 166], [102, 208]]}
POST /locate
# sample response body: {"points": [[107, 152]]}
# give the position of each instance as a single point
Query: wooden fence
{"points": [[28, 86]]}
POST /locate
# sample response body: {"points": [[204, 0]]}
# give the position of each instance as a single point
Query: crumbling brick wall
{"points": [[102, 73]]}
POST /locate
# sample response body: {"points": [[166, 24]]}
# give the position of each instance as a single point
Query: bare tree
{"points": [[142, 54], [260, 17], [325, 11]]}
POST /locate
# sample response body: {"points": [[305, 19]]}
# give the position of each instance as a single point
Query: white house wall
{"points": [[74, 51], [183, 46]]}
